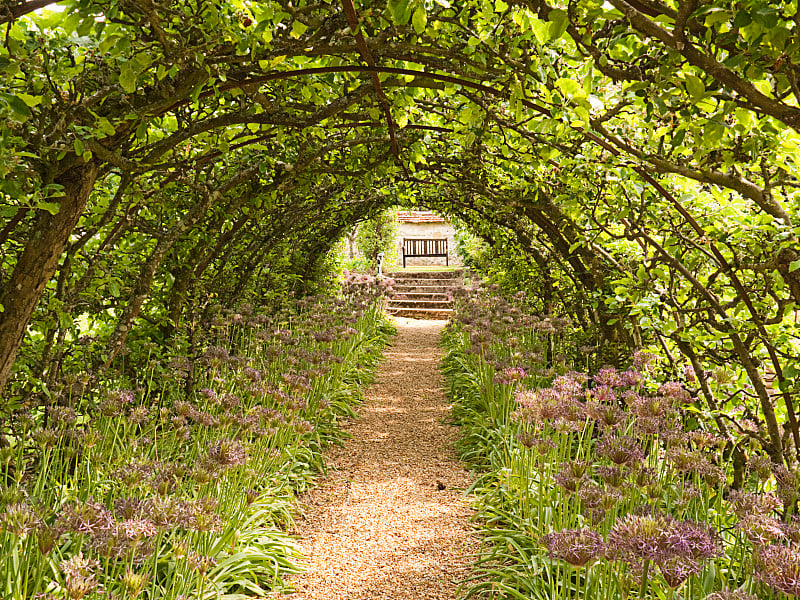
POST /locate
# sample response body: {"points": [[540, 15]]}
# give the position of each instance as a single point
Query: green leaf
{"points": [[127, 78], [106, 126], [695, 87], [794, 265], [17, 105], [78, 146], [401, 11], [419, 20], [569, 86], [298, 28], [51, 207], [558, 23], [113, 288], [541, 29], [30, 100]]}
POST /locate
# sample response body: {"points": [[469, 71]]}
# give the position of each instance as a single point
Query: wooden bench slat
{"points": [[424, 248]]}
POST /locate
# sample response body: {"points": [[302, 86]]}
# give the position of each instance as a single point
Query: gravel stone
{"points": [[379, 525]]}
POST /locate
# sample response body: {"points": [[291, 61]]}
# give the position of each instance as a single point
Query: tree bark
{"points": [[39, 261]]}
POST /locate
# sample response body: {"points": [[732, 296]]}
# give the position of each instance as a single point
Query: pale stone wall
{"points": [[427, 231]]}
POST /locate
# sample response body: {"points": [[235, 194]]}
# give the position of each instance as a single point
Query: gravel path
{"points": [[390, 520]]}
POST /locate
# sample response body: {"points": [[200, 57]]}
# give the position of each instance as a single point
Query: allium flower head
{"points": [[761, 465], [79, 576], [761, 529], [778, 567], [227, 453], [643, 360], [47, 537], [635, 538], [607, 377], [572, 475], [744, 503], [679, 548], [18, 518], [614, 477], [620, 449], [578, 547], [676, 391], [509, 375], [86, 517], [63, 416], [607, 415]]}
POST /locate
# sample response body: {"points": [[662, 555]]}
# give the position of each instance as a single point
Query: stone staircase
{"points": [[423, 295]]}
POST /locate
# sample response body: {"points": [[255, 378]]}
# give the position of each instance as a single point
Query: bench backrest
{"points": [[415, 247], [423, 248]]}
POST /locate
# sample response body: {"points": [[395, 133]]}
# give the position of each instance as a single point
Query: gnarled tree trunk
{"points": [[38, 262]]}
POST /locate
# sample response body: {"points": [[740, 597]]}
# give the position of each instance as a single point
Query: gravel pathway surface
{"points": [[391, 521]]}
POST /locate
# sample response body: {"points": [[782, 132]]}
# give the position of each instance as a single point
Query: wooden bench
{"points": [[413, 248]]}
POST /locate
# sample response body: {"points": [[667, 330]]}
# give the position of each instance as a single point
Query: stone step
{"points": [[428, 281], [420, 296], [426, 274], [421, 289], [422, 313], [403, 303]]}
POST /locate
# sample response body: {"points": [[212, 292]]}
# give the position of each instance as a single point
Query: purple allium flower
{"points": [[578, 547], [135, 529], [85, 517], [703, 438], [630, 379], [692, 461], [79, 576], [62, 415], [216, 355], [46, 437], [761, 529], [608, 416], [620, 449], [128, 508], [676, 391], [791, 529], [761, 465], [635, 538], [206, 393], [18, 518], [138, 415], [251, 374], [47, 537], [744, 503], [510, 375], [200, 562], [778, 567], [679, 548], [572, 475], [612, 476], [607, 377], [603, 394], [642, 360], [677, 569], [227, 453]]}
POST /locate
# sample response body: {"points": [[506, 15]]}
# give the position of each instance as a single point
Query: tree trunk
{"points": [[39, 261]]}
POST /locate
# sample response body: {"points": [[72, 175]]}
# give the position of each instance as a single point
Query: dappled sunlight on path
{"points": [[390, 521]]}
